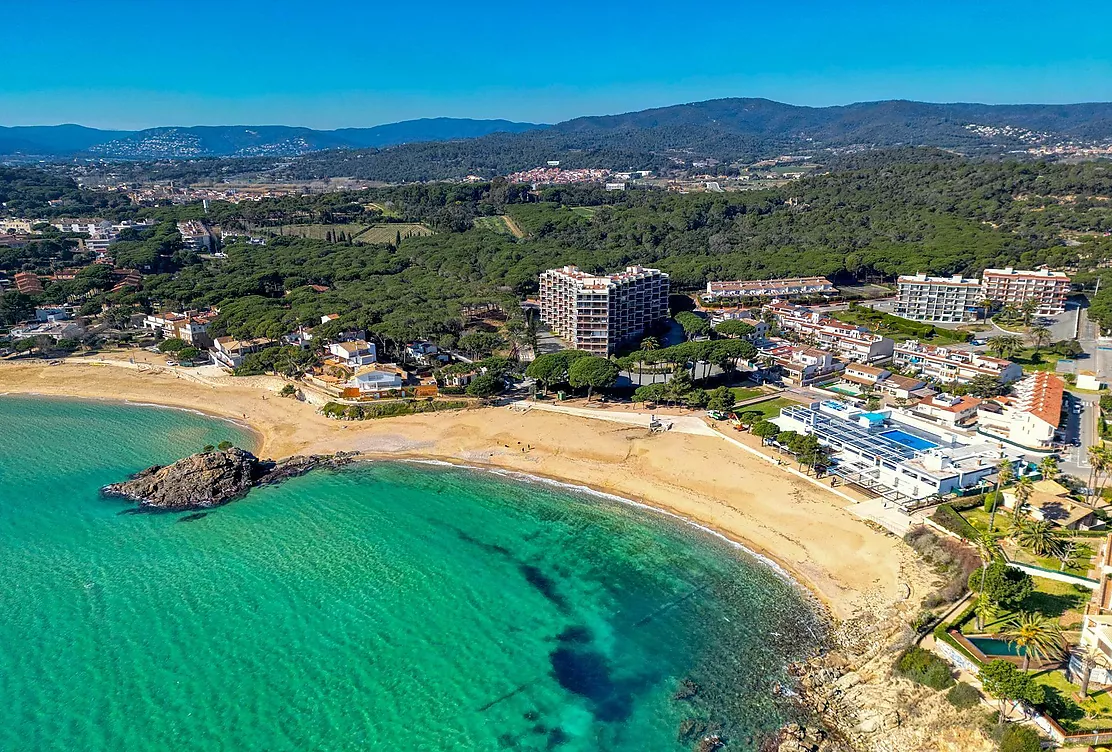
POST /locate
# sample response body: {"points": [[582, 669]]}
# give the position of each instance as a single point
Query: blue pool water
{"points": [[873, 417], [903, 437], [992, 647]]}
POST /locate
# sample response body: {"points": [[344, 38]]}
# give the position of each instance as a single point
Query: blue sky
{"points": [[329, 64]]}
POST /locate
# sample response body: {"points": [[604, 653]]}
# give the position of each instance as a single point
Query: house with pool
{"points": [[893, 454]]}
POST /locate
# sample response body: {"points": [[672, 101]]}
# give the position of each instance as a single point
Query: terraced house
{"points": [[948, 365], [855, 343]]}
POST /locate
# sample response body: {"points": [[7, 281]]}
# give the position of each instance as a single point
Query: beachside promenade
{"points": [[875, 510]]}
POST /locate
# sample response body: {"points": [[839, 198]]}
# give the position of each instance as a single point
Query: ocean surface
{"points": [[386, 606]]}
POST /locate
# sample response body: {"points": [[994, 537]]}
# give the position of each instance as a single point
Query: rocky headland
{"points": [[211, 479]]}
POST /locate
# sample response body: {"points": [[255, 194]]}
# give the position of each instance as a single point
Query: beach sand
{"points": [[850, 566]]}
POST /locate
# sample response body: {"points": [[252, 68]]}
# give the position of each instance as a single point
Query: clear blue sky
{"points": [[329, 64]]}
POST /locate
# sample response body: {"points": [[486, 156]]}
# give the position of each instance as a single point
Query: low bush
{"points": [[1020, 739], [945, 516], [952, 560], [389, 409], [924, 667], [963, 696]]}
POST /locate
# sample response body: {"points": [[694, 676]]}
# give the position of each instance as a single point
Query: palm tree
{"points": [[985, 610], [1040, 335], [1028, 309], [1004, 475], [1035, 635], [1040, 538], [1023, 491], [1090, 658], [1100, 461], [1005, 345], [987, 304], [988, 549], [1049, 467]]}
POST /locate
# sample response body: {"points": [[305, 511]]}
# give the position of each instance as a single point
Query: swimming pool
{"points": [[903, 437], [993, 647]]}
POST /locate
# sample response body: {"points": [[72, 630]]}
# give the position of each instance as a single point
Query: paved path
{"points": [[889, 517], [680, 423]]}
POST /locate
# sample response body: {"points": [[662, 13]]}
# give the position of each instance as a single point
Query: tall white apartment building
{"points": [[1015, 287], [942, 299], [596, 313]]}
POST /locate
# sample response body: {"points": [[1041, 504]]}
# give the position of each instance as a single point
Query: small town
{"points": [[422, 391]]}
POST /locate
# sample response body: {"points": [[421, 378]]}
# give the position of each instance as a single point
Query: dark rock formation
{"points": [[210, 479]]}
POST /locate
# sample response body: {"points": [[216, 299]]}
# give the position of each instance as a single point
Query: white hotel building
{"points": [[1011, 287], [597, 313], [942, 299], [892, 454]]}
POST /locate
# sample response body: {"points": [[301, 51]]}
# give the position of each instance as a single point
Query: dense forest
{"points": [[871, 219]]}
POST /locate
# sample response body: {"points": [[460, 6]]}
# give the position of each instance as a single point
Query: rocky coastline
{"points": [[214, 478]]}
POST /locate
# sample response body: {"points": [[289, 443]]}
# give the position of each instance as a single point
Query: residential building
{"points": [[769, 288], [904, 387], [597, 313], [52, 313], [460, 378], [28, 283], [1011, 287], [353, 354], [949, 410], [890, 454], [1030, 416], [947, 365], [803, 365], [744, 315], [851, 342], [865, 375], [191, 326], [230, 352], [92, 227], [54, 329], [425, 353], [18, 226], [195, 235], [1051, 502], [942, 299], [376, 381], [1096, 628]]}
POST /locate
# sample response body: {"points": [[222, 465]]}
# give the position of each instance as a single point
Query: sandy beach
{"points": [[847, 564]]}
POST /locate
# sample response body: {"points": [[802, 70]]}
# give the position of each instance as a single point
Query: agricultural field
{"points": [[494, 224], [319, 232], [378, 233], [387, 233]]}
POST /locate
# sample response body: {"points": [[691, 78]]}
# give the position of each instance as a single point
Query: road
{"points": [[1081, 428]]}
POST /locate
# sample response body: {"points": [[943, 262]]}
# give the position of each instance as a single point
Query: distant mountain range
{"points": [[690, 136], [194, 142]]}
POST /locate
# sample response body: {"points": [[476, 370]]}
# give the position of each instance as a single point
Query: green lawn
{"points": [[1050, 598], [898, 328], [584, 211], [742, 393], [770, 409], [1097, 710], [1032, 361]]}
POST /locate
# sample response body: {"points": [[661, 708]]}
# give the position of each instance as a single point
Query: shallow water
{"points": [[385, 606]]}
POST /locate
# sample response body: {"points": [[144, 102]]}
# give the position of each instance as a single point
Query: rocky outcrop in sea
{"points": [[213, 478]]}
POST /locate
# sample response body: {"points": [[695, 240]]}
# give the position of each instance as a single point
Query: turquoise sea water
{"points": [[387, 606]]}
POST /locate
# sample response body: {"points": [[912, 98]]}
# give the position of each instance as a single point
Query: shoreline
{"points": [[579, 453]]}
